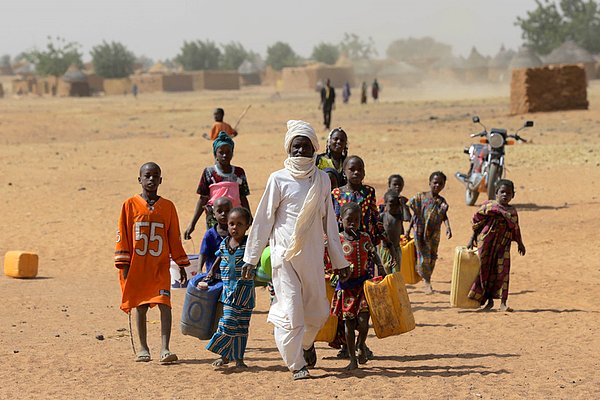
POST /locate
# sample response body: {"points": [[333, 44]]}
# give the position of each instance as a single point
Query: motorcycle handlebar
{"points": [[484, 133], [519, 138]]}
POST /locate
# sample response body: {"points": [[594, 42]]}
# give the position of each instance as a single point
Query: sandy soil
{"points": [[68, 164]]}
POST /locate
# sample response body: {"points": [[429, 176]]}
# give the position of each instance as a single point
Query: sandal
{"points": [[301, 374], [143, 357], [168, 357]]}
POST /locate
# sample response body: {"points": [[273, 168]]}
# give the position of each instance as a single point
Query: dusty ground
{"points": [[67, 165]]}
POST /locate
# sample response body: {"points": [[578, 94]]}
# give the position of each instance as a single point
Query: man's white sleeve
{"points": [[264, 218]]}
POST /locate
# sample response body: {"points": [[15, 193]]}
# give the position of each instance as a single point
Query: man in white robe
{"points": [[293, 215]]}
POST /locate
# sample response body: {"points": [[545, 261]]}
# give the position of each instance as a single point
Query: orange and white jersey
{"points": [[147, 237]]}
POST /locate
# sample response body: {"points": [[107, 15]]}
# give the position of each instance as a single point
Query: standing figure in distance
{"points": [[327, 103], [375, 90], [346, 93]]}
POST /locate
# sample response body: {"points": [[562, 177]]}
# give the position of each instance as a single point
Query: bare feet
{"points": [[505, 308], [363, 356], [428, 288], [343, 353], [240, 364], [310, 356], [488, 306], [352, 366], [221, 362]]}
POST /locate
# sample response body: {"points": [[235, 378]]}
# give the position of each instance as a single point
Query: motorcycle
{"points": [[487, 161]]}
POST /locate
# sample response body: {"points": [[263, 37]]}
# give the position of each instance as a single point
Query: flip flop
{"points": [[143, 357], [168, 358], [301, 374]]}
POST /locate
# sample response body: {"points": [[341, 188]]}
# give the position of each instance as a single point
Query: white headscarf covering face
{"points": [[303, 168]]}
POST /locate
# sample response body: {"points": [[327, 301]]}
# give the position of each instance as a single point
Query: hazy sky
{"points": [[157, 28]]}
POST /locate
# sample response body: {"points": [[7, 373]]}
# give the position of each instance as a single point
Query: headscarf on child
{"points": [[222, 140], [303, 168]]}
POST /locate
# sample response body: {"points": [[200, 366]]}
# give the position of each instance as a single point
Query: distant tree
{"points": [[199, 55], [412, 49], [234, 55], [144, 61], [5, 61], [281, 55], [56, 58], [112, 60], [552, 23], [326, 53], [356, 48]]}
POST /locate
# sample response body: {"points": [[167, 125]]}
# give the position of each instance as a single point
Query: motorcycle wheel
{"points": [[471, 197], [493, 176]]}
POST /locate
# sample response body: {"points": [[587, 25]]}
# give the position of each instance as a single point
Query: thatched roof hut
{"points": [[498, 70], [448, 69], [73, 83], [525, 58], [400, 73], [158, 68], [476, 67], [569, 53], [249, 73]]}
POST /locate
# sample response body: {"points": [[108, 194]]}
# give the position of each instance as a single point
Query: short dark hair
{"points": [[390, 194], [219, 110], [395, 176], [244, 212], [347, 160], [505, 182], [439, 174], [150, 164], [350, 206]]}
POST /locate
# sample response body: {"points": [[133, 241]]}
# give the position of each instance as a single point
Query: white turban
{"points": [[304, 168], [299, 128]]}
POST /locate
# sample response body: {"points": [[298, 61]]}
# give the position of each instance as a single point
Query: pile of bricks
{"points": [[548, 89]]}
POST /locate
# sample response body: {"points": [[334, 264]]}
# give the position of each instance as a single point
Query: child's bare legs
{"points": [[363, 329], [350, 326], [165, 334], [140, 320]]}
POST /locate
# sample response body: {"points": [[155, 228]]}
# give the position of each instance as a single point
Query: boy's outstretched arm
{"points": [[202, 201]]}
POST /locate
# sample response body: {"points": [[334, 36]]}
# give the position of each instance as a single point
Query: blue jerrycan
{"points": [[200, 308]]}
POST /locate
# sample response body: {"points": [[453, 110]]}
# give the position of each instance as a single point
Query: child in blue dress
{"points": [[231, 337]]}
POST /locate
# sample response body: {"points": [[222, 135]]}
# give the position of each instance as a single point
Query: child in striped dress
{"points": [[231, 337]]}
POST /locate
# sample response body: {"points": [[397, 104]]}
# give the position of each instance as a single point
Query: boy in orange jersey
{"points": [[220, 125], [148, 233]]}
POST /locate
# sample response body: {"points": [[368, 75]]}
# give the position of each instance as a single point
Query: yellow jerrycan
{"points": [[389, 305], [329, 330], [409, 260], [464, 273]]}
